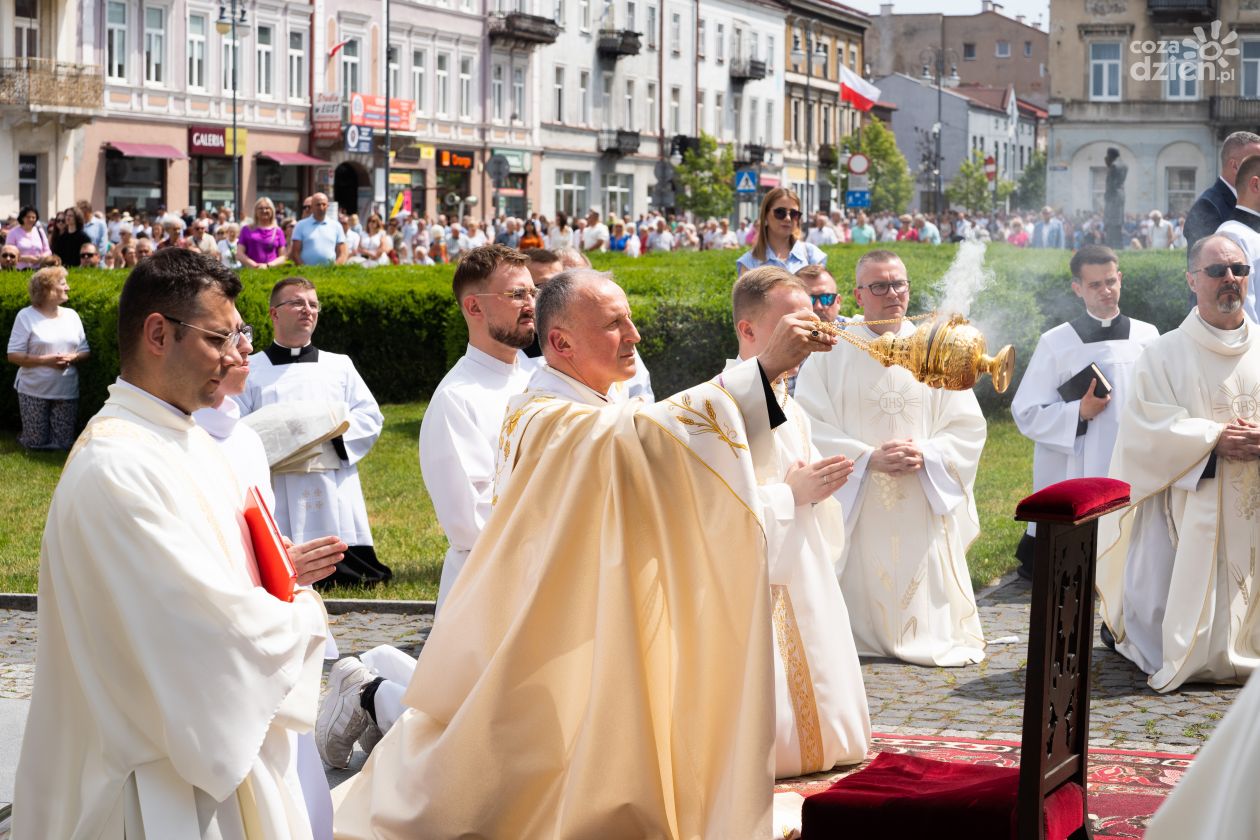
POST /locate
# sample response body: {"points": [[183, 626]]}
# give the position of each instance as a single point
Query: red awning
{"points": [[293, 159], [769, 182], [148, 150]]}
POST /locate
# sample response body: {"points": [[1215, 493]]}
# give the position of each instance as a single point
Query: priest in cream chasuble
{"points": [[909, 506], [1177, 570], [603, 665]]}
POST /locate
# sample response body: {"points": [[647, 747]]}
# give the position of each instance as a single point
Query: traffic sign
{"points": [[859, 163], [498, 168], [859, 183], [746, 182], [857, 198], [990, 168]]}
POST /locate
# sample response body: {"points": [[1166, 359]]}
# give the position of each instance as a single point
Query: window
{"points": [[28, 180], [651, 26], [419, 87], [675, 33], [584, 97], [675, 110], [796, 121], [770, 55], [518, 94], [197, 52], [700, 37], [754, 124], [1003, 49], [653, 125], [265, 70], [702, 111], [1028, 49], [154, 45], [116, 41], [26, 21], [1251, 69], [629, 103], [606, 98], [443, 84], [393, 73], [826, 125], [496, 92], [969, 52], [1182, 189], [297, 65], [719, 115], [558, 13], [1104, 71], [465, 87], [754, 51], [769, 138], [231, 53], [737, 115], [557, 111], [350, 68], [853, 57], [1183, 69], [584, 14], [618, 192], [631, 16], [720, 42], [571, 189]]}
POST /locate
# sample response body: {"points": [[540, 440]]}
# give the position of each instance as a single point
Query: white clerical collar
{"points": [[1230, 338], [1103, 322], [1246, 209], [180, 413], [293, 351], [489, 362]]}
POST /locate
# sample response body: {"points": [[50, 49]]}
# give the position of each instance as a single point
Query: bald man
{"points": [[317, 238]]}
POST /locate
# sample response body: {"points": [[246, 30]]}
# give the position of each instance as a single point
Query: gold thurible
{"points": [[942, 353]]}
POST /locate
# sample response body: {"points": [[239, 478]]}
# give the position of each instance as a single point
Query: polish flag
{"points": [[336, 48], [855, 90]]}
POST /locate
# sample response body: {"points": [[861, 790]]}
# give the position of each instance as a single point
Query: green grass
{"points": [[406, 530]]}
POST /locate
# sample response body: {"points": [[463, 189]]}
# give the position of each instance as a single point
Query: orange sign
{"points": [[368, 110], [447, 159]]}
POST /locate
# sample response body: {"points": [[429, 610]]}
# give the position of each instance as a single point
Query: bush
{"points": [[404, 331]]}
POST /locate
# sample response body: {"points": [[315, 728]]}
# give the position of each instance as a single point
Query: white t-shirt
{"points": [[825, 235], [592, 236], [352, 241], [37, 334]]}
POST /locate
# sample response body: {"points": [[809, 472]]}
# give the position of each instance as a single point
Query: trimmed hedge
{"points": [[403, 330]]}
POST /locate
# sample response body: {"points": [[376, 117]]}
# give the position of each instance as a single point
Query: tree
{"points": [[972, 189], [891, 184], [1031, 192], [706, 180]]}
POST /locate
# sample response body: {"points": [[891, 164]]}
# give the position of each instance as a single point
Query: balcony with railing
{"points": [[620, 142], [828, 155], [1234, 110], [42, 84], [747, 69], [1182, 11], [615, 43], [519, 29], [750, 153]]}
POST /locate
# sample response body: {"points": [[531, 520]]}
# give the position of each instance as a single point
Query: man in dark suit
{"points": [[1215, 205]]}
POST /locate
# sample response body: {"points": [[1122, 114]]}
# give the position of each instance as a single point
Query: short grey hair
{"points": [[1196, 250], [1235, 143], [572, 258], [558, 294]]}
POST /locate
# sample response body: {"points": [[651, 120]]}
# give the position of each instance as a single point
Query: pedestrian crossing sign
{"points": [[746, 182]]}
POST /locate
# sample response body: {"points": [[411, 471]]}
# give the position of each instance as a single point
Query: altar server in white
{"points": [[1073, 435], [908, 505], [1177, 570], [459, 437], [821, 716], [320, 501], [167, 683]]}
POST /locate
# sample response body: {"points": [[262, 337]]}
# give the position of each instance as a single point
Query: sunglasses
{"points": [[782, 213], [1217, 270], [824, 300]]}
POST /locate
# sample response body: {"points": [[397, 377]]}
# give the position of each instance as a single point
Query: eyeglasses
{"points": [[226, 342], [8, 256], [297, 304], [88, 255], [824, 300], [516, 295], [782, 213], [1217, 270], [881, 289]]}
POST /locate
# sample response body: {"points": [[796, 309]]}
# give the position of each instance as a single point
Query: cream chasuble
{"points": [[1176, 571], [821, 716], [904, 572], [166, 682], [603, 665]]}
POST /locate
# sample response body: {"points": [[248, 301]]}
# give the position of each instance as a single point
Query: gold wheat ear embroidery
{"points": [[911, 627], [1240, 580], [908, 595], [706, 423]]}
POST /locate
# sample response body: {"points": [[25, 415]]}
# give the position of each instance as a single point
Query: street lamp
{"points": [[935, 60], [228, 19], [807, 52]]}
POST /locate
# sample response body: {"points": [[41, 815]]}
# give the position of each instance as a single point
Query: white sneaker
{"points": [[342, 718], [371, 736]]}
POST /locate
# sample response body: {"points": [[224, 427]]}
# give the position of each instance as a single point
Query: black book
{"points": [[1075, 387]]}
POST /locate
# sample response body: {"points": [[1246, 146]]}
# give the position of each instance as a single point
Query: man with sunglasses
{"points": [[1243, 224], [1178, 569], [168, 684], [909, 505], [322, 496], [8, 258], [1073, 435]]}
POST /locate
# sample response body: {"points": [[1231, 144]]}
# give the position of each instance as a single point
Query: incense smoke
{"points": [[965, 279]]}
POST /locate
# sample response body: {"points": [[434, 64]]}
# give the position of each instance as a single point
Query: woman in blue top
{"points": [[779, 240]]}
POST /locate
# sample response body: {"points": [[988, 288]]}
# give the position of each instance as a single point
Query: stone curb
{"points": [[27, 602]]}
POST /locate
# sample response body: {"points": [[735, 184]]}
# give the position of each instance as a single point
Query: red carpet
{"points": [[1125, 787]]}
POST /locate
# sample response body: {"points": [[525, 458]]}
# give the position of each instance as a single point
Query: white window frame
{"points": [[116, 42], [702, 110], [754, 117], [558, 13], [442, 102], [1177, 88], [230, 63], [770, 54], [1107, 67], [197, 63], [1002, 49], [628, 103], [584, 97], [26, 40], [351, 68], [572, 191], [719, 115], [675, 33], [675, 109], [701, 36], [632, 14], [497, 83], [156, 71], [265, 62], [719, 42], [393, 69], [651, 25], [557, 92], [584, 15], [419, 79], [295, 83], [465, 87], [653, 122], [606, 98], [518, 94], [1249, 88]]}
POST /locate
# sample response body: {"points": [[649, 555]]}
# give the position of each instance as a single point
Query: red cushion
{"points": [[1073, 500], [907, 796]]}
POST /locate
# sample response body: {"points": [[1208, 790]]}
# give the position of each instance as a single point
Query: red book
{"points": [[275, 569]]}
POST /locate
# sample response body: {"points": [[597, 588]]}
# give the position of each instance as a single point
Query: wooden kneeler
{"points": [[1044, 798]]}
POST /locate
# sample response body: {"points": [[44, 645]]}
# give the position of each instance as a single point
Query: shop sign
{"points": [[326, 116], [215, 140], [519, 160], [368, 110], [358, 140], [450, 159], [403, 178]]}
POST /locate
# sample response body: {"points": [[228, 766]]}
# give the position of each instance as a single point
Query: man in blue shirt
{"points": [[317, 239]]}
